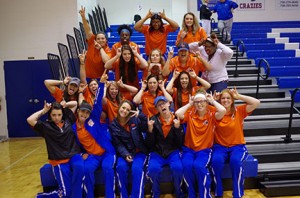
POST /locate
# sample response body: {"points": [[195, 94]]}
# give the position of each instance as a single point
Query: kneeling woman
{"points": [[126, 131]]}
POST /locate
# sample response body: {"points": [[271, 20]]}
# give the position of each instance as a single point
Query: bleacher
{"points": [[269, 138]]}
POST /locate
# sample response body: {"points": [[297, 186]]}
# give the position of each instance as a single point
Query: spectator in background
{"points": [[190, 31], [63, 151], [126, 65], [98, 51], [229, 140], [199, 137], [125, 33], [224, 9], [156, 32], [126, 130], [217, 55], [205, 15], [165, 138]]}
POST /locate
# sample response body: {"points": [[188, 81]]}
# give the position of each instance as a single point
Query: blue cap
{"points": [[159, 98], [75, 80], [183, 46]]}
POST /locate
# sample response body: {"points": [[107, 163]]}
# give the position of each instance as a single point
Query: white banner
{"points": [[288, 4], [251, 5]]}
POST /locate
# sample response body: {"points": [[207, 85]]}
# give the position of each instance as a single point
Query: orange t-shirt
{"points": [[148, 107], [59, 95], [88, 96], [111, 108], [192, 63], [190, 38], [229, 131], [156, 39], [166, 126], [88, 142], [94, 66], [117, 45], [200, 131]]}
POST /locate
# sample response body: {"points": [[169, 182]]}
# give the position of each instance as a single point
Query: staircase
{"points": [[265, 130]]}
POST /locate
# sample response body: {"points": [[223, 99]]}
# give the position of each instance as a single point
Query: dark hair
{"points": [[157, 79], [121, 103], [161, 28], [179, 88], [67, 97], [55, 106], [124, 26], [132, 75]]}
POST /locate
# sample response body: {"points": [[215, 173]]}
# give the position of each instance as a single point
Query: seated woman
{"points": [[165, 138], [126, 130], [63, 151], [126, 64], [154, 88]]}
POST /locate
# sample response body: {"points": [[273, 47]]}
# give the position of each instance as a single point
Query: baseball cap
{"points": [[183, 46], [156, 16], [75, 80], [85, 106], [159, 98]]}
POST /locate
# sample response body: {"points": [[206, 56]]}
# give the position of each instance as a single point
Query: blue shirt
{"points": [[223, 9]]}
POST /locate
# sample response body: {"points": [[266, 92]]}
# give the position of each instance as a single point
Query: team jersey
{"points": [[148, 107], [190, 37], [229, 131]]}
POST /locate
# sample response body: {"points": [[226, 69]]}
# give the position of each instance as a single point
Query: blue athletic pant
{"points": [[69, 177], [137, 175], [196, 171], [155, 167], [236, 155], [218, 87], [106, 162]]}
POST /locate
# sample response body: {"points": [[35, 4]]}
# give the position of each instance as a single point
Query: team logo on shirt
{"points": [[205, 122], [90, 123]]}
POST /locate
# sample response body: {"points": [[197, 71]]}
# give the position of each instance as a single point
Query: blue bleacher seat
{"points": [[276, 71], [253, 54], [281, 61], [288, 82], [254, 40], [264, 46]]}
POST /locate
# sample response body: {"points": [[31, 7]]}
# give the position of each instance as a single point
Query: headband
{"points": [[125, 30], [200, 95]]}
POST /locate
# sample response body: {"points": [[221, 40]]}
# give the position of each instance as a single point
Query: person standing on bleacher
{"points": [[125, 33], [205, 15], [63, 151], [95, 142], [224, 9], [98, 51], [190, 31], [230, 142], [156, 33]]}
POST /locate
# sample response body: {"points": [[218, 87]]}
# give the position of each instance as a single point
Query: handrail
{"points": [[265, 77], [212, 21], [288, 137], [240, 42]]}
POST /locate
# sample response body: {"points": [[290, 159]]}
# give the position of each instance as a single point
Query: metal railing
{"points": [[224, 40], [240, 42], [288, 136], [259, 75]]}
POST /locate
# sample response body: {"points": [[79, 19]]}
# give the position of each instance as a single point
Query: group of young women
{"points": [[109, 130]]}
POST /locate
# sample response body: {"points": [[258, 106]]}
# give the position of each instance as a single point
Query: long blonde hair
{"points": [[195, 26]]}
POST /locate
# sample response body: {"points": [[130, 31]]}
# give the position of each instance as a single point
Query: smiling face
{"points": [[93, 86], [189, 20], [126, 55], [113, 91], [183, 55], [101, 39], [156, 23], [152, 85], [72, 89], [83, 115], [200, 104], [124, 110], [210, 49], [184, 80], [56, 115], [226, 99]]}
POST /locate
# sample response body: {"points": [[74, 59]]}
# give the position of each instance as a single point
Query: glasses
{"points": [[200, 102], [161, 104]]}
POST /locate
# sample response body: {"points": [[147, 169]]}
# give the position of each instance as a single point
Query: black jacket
{"points": [[127, 143], [205, 13], [161, 145]]}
